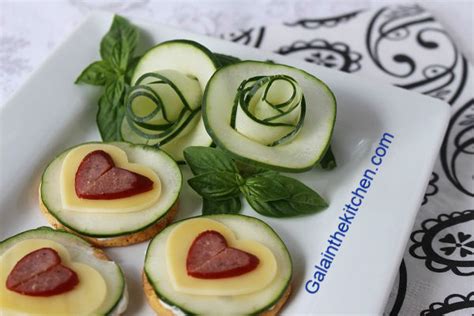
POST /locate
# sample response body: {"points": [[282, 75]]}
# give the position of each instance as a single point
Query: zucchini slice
{"points": [[245, 228], [270, 115], [163, 107], [105, 225], [82, 252]]}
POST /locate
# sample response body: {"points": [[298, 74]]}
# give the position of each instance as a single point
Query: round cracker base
{"points": [[117, 241], [161, 310]]}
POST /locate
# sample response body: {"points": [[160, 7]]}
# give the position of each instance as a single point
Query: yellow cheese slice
{"points": [[83, 299], [72, 202], [177, 247]]}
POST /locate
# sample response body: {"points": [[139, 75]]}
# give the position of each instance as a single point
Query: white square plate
{"points": [[50, 114]]}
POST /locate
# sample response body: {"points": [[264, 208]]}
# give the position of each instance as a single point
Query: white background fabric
{"points": [[31, 29], [437, 274]]}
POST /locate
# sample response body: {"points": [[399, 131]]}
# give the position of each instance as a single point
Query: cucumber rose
{"points": [[256, 111], [269, 109], [163, 106]]}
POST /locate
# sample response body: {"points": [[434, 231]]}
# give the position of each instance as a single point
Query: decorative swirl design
{"points": [[250, 37], [445, 243], [432, 187], [312, 24], [390, 37], [458, 148], [163, 106], [320, 52], [269, 109], [401, 290], [454, 303]]}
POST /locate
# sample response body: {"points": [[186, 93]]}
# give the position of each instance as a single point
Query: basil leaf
{"points": [[111, 111], [119, 43], [284, 208], [247, 170], [265, 189], [227, 206], [203, 160], [264, 208], [120, 56], [216, 185], [113, 72], [114, 91], [131, 68], [300, 200], [329, 161], [97, 73]]}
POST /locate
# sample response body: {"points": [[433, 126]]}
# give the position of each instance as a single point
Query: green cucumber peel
{"points": [[221, 180], [248, 90], [328, 162], [245, 138], [144, 126], [113, 72], [225, 60]]}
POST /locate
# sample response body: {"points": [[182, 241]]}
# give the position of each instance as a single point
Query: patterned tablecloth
{"points": [[405, 46], [400, 44]]}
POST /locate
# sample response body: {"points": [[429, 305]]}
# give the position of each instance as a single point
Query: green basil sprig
{"points": [[220, 181], [113, 72]]}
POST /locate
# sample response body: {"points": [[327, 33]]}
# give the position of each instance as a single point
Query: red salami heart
{"points": [[40, 273], [209, 257], [97, 178]]}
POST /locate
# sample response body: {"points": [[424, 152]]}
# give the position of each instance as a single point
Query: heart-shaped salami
{"points": [[97, 178], [209, 257], [40, 273]]}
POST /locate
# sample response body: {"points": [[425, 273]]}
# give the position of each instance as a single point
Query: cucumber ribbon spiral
{"points": [[163, 106], [269, 109]]}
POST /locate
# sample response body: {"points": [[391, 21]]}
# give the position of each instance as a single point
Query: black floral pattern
{"points": [[315, 23], [418, 39], [401, 290], [319, 59], [457, 150], [445, 243], [320, 52], [250, 37], [463, 243], [432, 187], [462, 305], [409, 49]]}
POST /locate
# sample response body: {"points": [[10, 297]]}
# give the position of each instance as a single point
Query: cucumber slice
{"points": [[115, 224], [244, 227], [225, 60], [239, 88], [184, 65], [82, 252]]}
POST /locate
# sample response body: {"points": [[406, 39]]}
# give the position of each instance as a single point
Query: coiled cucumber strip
{"points": [[163, 106], [271, 115], [269, 109]]}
